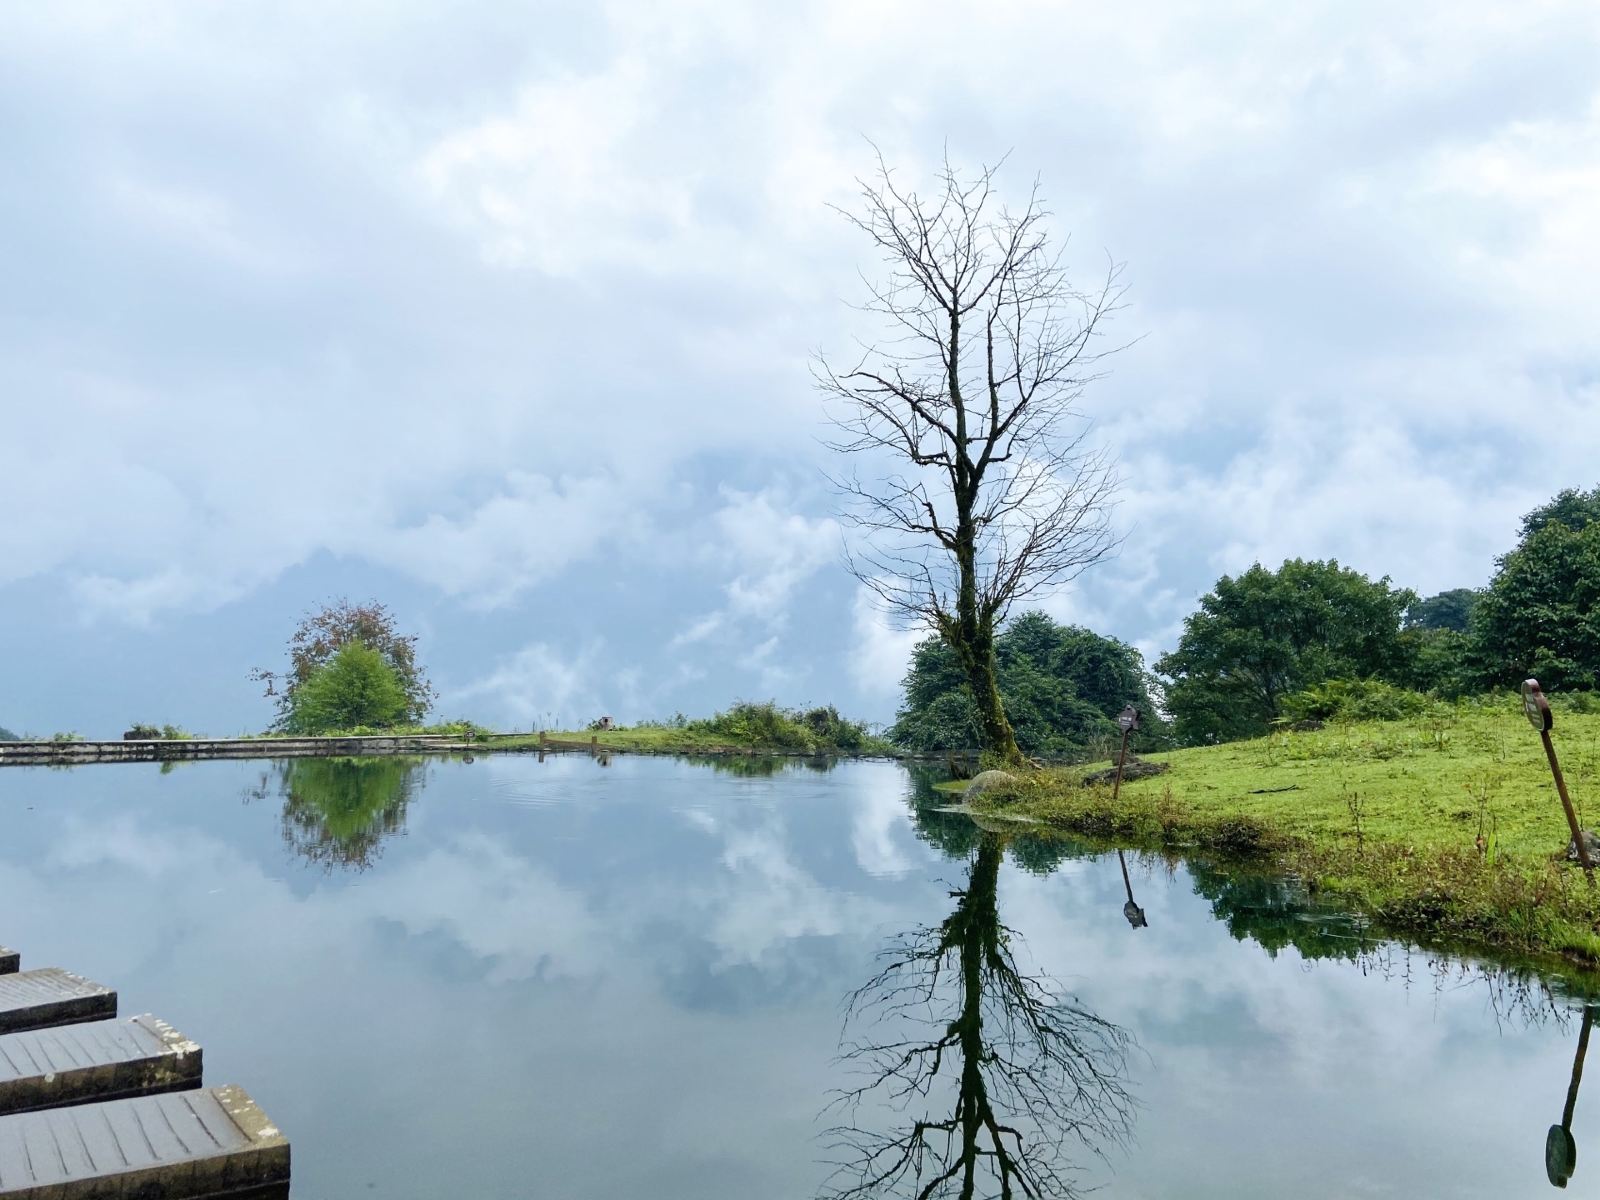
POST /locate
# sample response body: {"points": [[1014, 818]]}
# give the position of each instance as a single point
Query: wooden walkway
{"points": [[37, 754], [93, 1108]]}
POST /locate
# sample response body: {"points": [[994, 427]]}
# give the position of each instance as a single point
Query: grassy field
{"points": [[1384, 816]]}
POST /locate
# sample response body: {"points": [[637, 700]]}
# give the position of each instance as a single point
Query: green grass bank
{"points": [[1444, 827], [745, 728]]}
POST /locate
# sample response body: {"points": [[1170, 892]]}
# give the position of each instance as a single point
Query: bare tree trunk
{"points": [[974, 648]]}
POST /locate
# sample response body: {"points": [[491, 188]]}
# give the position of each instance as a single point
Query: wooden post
{"points": [[1566, 801], [543, 739], [1537, 709], [594, 744], [1128, 719], [1122, 757]]}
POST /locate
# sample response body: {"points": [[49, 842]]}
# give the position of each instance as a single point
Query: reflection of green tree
{"points": [[1277, 912], [338, 811], [951, 1019]]}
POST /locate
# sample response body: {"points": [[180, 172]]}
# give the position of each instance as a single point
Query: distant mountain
{"points": [[7, 736]]}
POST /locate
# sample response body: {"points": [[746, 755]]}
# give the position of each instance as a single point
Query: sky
{"points": [[503, 315]]}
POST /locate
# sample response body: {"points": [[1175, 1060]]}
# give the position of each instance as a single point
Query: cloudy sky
{"points": [[502, 314]]}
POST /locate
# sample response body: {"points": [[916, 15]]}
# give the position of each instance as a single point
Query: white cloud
{"points": [[537, 685], [770, 551], [534, 528], [505, 312], [882, 652]]}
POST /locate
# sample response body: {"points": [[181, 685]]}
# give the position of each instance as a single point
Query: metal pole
{"points": [[1566, 801], [1122, 757]]}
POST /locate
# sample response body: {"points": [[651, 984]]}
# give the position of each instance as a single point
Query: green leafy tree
{"points": [[322, 634], [1436, 646], [1264, 635], [1062, 687], [1448, 610], [1571, 507], [1541, 613], [356, 687], [1441, 661]]}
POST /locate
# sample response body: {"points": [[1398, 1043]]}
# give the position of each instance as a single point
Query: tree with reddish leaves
{"points": [[323, 633]]}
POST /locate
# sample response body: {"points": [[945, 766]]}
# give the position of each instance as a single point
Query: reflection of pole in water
{"points": [[1560, 1151], [1128, 720], [1132, 911]]}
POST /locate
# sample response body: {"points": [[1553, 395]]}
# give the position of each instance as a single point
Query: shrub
{"points": [[163, 733], [765, 724], [356, 687], [1354, 700], [832, 729]]}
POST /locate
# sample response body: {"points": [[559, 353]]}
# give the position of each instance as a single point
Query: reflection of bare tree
{"points": [[951, 1021]]}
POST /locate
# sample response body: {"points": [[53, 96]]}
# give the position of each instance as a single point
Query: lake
{"points": [[666, 978]]}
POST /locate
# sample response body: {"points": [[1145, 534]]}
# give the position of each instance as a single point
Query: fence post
{"points": [[1537, 709]]}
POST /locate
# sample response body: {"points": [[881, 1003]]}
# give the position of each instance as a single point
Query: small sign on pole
{"points": [[1541, 718], [1536, 706]]}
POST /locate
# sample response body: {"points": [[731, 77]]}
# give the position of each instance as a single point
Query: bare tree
{"points": [[952, 1019], [994, 492]]}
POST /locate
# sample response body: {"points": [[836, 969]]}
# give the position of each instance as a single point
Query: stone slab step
{"points": [[101, 1060], [179, 1146], [10, 961], [50, 996]]}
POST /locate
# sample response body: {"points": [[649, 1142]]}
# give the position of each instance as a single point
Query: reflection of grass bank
{"points": [[1384, 816]]}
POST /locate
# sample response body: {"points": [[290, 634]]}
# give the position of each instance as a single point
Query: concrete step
{"points": [[50, 996], [101, 1060], [10, 961], [179, 1146]]}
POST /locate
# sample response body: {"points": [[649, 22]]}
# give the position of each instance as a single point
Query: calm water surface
{"points": [[509, 978]]}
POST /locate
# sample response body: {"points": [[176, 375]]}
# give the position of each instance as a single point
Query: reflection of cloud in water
{"points": [[120, 842], [879, 824], [1294, 1042], [501, 908], [596, 941], [764, 899]]}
